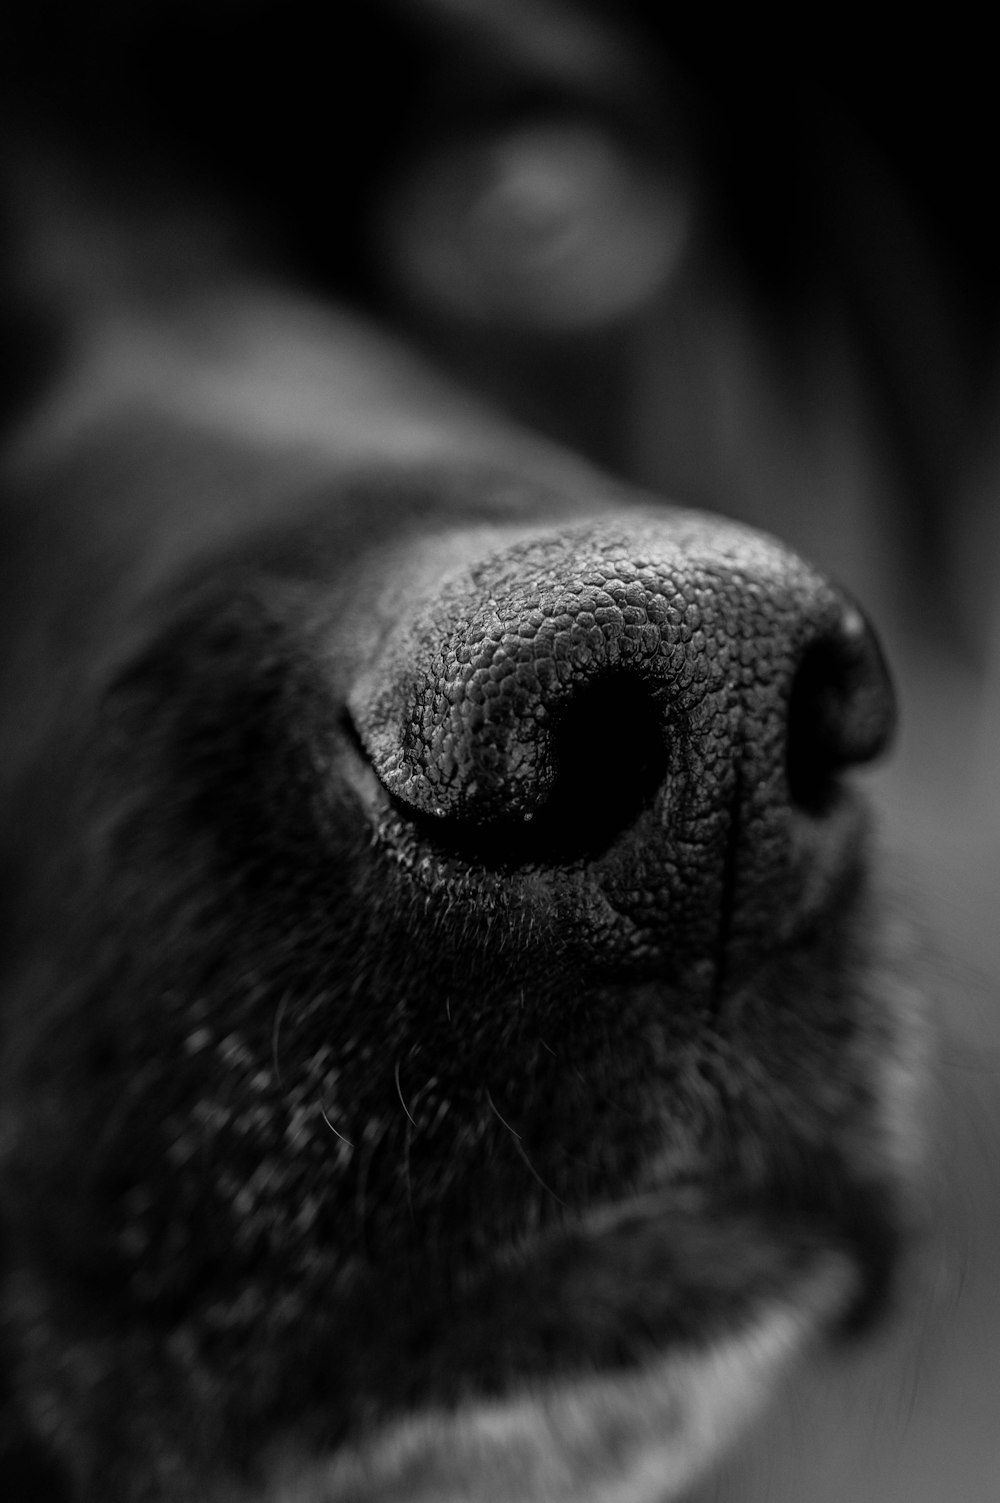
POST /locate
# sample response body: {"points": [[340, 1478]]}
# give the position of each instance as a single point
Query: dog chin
{"points": [[636, 1436]]}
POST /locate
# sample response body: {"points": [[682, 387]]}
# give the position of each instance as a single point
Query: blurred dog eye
{"points": [[548, 226]]}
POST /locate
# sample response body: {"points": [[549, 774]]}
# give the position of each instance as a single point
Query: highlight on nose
{"points": [[551, 686]]}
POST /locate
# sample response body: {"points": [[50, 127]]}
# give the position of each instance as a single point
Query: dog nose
{"points": [[541, 698]]}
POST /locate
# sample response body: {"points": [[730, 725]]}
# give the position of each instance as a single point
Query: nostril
{"points": [[609, 751], [841, 711], [610, 755]]}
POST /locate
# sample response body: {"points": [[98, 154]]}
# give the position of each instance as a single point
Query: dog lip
{"points": [[661, 1270]]}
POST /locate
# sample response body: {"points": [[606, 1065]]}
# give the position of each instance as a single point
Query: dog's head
{"points": [[453, 1044]]}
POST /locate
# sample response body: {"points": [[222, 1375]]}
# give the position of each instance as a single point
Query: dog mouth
{"points": [[677, 1162], [649, 1273], [619, 1288]]}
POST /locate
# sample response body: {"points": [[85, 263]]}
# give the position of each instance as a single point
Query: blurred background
{"points": [[750, 262]]}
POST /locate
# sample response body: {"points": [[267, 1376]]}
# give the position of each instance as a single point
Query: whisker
{"points": [[523, 1154], [399, 1092], [334, 1130]]}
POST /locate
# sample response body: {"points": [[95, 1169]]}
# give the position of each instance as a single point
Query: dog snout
{"points": [[666, 705]]}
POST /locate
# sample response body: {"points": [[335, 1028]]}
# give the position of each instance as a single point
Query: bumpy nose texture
{"points": [[575, 670]]}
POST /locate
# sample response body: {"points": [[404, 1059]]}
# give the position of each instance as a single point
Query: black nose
{"points": [[676, 693], [555, 671]]}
